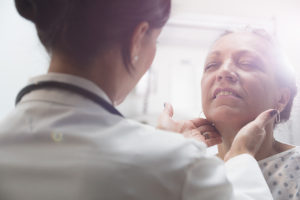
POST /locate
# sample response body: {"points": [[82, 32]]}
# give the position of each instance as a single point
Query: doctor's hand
{"points": [[199, 128], [250, 138]]}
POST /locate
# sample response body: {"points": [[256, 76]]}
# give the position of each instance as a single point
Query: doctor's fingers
{"points": [[207, 129], [209, 138], [250, 138], [165, 120], [213, 141], [200, 122], [196, 133], [265, 118]]}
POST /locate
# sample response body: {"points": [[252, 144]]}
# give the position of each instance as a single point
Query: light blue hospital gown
{"points": [[282, 173]]}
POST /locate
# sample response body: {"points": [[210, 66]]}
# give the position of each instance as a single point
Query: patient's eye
{"points": [[246, 63], [211, 65], [248, 60], [213, 60], [249, 63]]}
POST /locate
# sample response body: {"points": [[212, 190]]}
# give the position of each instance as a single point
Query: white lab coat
{"points": [[58, 145]]}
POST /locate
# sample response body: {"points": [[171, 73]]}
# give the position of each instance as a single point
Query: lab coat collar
{"points": [[74, 80]]}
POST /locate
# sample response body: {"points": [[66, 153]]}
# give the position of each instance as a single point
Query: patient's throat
{"points": [[222, 150]]}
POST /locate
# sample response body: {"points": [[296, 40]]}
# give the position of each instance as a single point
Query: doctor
{"points": [[65, 140]]}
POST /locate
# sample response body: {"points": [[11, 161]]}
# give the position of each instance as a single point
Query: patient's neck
{"points": [[269, 147], [228, 132]]}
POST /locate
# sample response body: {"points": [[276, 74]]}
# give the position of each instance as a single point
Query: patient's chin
{"points": [[229, 120]]}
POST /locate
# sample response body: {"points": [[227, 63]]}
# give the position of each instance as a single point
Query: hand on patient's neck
{"points": [[268, 148], [228, 133]]}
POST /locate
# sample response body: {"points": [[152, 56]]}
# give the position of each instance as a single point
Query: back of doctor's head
{"points": [[80, 29]]}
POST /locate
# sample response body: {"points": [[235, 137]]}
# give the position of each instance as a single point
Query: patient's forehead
{"points": [[241, 41]]}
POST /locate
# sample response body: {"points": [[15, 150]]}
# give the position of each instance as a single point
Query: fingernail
{"points": [[206, 135], [273, 113]]}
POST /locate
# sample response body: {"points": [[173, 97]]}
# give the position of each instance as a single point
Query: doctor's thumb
{"points": [[165, 120], [168, 109], [266, 117]]}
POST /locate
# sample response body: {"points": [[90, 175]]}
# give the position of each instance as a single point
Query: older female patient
{"points": [[245, 74]]}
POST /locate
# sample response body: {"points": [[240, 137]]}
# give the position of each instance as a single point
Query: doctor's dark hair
{"points": [[79, 29]]}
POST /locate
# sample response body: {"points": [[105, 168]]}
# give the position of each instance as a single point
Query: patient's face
{"points": [[238, 80]]}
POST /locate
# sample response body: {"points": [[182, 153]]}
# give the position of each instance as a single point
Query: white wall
{"points": [[21, 54]]}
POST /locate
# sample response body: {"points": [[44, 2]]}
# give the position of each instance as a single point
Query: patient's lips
{"points": [[225, 92]]}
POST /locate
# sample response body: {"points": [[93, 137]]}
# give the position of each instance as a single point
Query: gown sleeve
{"points": [[240, 179]]}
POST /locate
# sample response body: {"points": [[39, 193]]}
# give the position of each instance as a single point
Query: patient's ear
{"points": [[283, 98]]}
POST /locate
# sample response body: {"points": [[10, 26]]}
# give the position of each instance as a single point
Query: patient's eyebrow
{"points": [[248, 53], [214, 54]]}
